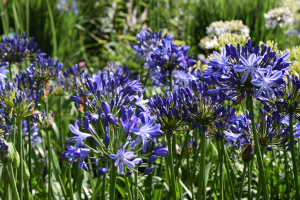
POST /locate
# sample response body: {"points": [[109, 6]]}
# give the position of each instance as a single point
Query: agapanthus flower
{"points": [[44, 69], [18, 48], [161, 54], [33, 132], [270, 130], [146, 131], [278, 17], [122, 157], [77, 154], [79, 136], [245, 69]]}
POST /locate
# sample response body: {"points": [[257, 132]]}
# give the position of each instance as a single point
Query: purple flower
{"points": [[102, 171], [146, 132], [79, 136], [106, 115], [265, 82], [160, 151], [77, 154], [148, 171], [249, 66], [122, 157]]}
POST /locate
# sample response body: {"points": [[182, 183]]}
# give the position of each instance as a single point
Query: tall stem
{"points": [[249, 178], [242, 183], [221, 173], [49, 165], [190, 176], [136, 185], [20, 142], [38, 182], [70, 183], [294, 157], [171, 167], [202, 167], [62, 134], [257, 148], [171, 80], [286, 167], [112, 188], [53, 28], [228, 173], [103, 186], [127, 186], [29, 152], [12, 181]]}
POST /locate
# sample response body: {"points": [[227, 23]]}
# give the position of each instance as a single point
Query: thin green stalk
{"points": [[70, 184], [257, 148], [103, 188], [221, 173], [12, 180], [214, 181], [171, 167], [29, 152], [294, 157], [171, 80], [112, 187], [136, 185], [249, 179], [20, 142], [5, 186], [228, 173], [16, 18], [127, 185], [27, 17], [286, 170], [242, 181], [190, 176], [38, 183], [202, 167], [263, 148], [4, 25], [182, 152], [49, 165], [62, 134], [53, 28]]}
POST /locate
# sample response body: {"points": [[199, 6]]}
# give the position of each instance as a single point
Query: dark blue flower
{"points": [[79, 136]]}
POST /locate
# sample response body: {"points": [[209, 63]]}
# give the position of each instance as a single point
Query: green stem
{"points": [[214, 181], [38, 183], [62, 134], [49, 165], [294, 157], [249, 179], [5, 186], [112, 188], [170, 80], [12, 181], [29, 152], [242, 181], [221, 173], [5, 26], [27, 17], [257, 148], [70, 184], [263, 148], [20, 142], [171, 167], [202, 167], [136, 185], [228, 173], [53, 28], [190, 176], [286, 167], [182, 152], [103, 186], [127, 185]]}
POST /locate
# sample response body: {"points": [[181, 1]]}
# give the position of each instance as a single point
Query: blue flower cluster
{"points": [[246, 69], [162, 56]]}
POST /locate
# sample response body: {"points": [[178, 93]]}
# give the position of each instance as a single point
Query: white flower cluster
{"points": [[223, 29], [278, 17], [234, 26]]}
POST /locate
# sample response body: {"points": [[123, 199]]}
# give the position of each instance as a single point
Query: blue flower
{"points": [[106, 115], [147, 131], [121, 158], [250, 66], [265, 82], [79, 136], [77, 154]]}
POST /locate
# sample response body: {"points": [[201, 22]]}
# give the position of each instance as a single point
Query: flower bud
{"points": [[26, 174], [102, 171], [148, 171], [247, 153], [7, 151], [128, 173]]}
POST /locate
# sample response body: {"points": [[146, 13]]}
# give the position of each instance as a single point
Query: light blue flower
{"points": [[249, 66], [122, 157], [265, 80], [79, 136]]}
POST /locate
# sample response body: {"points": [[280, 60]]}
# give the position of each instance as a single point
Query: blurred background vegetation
{"points": [[100, 31]]}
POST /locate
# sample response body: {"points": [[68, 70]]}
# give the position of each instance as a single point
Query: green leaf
{"points": [[185, 188], [158, 190]]}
